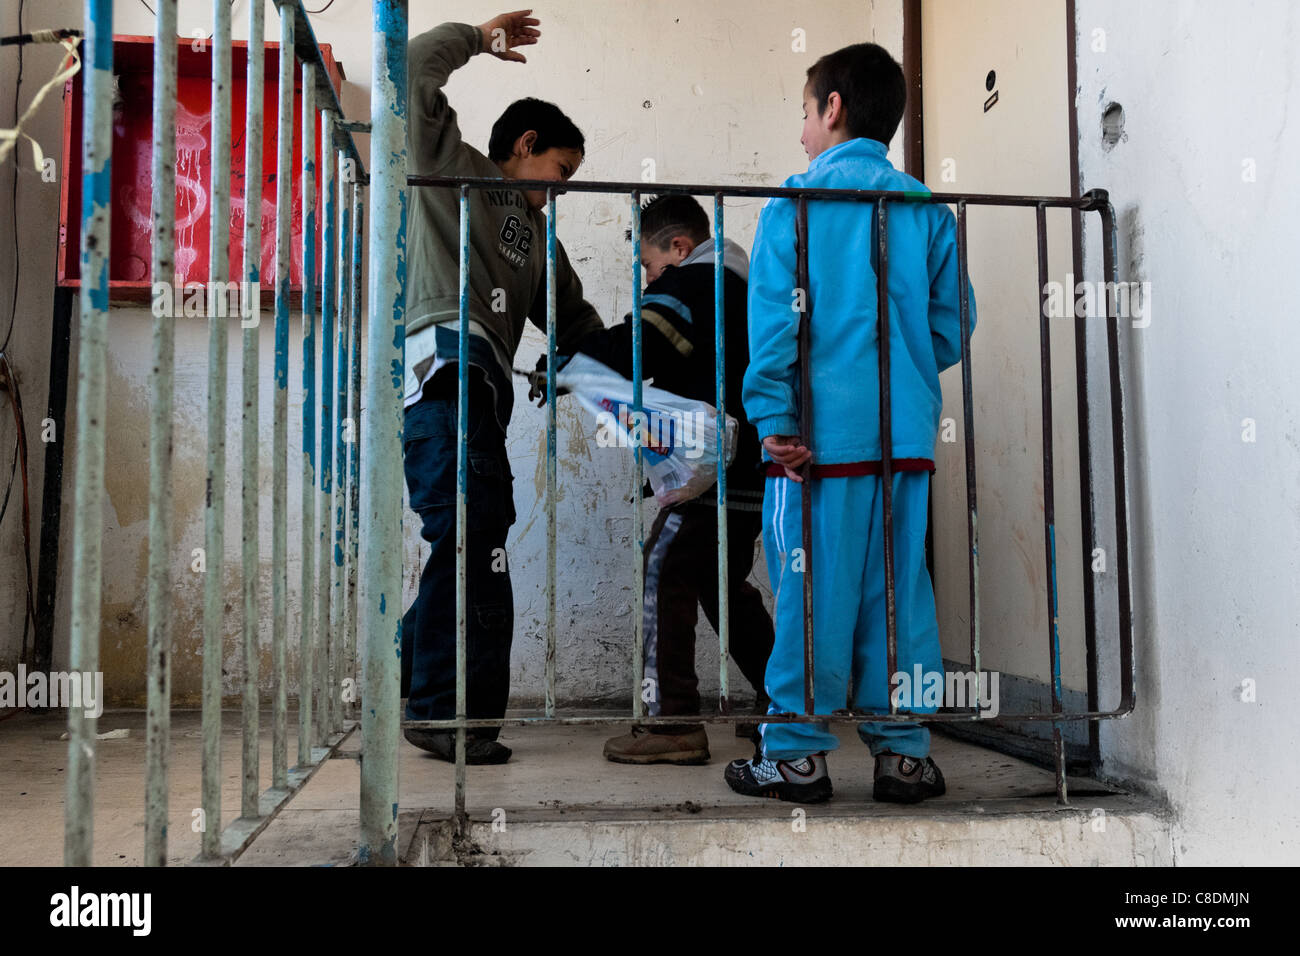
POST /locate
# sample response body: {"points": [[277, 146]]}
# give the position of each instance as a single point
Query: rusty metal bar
{"points": [[214, 514], [638, 473], [336, 158], [88, 517], [760, 192], [462, 495], [968, 436], [325, 663], [720, 397], [846, 716], [310, 469], [162, 383], [804, 293], [249, 491], [1049, 498], [354, 463], [280, 397], [550, 454], [1098, 199], [886, 445], [380, 613]]}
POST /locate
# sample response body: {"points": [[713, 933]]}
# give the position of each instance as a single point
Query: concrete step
{"points": [[558, 802], [996, 833]]}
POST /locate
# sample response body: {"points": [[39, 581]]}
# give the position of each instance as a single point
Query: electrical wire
{"points": [[11, 384], [18, 83]]}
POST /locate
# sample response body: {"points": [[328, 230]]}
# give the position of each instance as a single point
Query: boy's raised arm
{"points": [[769, 390], [945, 301], [433, 134]]}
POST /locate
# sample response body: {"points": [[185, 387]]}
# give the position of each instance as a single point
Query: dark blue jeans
{"points": [[429, 625]]}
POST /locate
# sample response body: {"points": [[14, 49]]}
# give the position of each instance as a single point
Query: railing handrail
{"points": [[1089, 201]]}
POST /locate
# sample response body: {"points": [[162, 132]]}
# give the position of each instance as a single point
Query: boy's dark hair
{"points": [[871, 87], [553, 128], [663, 217]]}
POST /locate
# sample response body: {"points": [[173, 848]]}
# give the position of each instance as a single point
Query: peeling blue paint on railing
{"points": [[217, 844], [215, 510], [162, 393], [381, 430], [88, 516], [250, 441]]}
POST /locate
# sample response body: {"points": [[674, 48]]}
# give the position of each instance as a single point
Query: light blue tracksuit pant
{"points": [[849, 628]]}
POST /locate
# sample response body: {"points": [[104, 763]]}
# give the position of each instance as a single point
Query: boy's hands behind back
{"points": [[789, 452], [506, 31]]}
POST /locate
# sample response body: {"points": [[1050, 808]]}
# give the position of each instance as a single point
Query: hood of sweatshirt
{"points": [[733, 257]]}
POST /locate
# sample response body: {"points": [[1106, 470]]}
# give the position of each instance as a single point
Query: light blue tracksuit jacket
{"points": [[925, 339], [924, 328]]}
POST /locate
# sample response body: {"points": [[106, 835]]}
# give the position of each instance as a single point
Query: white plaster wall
{"points": [[29, 348], [723, 88], [1019, 146], [1215, 519]]}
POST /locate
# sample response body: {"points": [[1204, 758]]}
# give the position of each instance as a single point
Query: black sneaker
{"points": [[442, 744], [802, 781], [900, 779]]}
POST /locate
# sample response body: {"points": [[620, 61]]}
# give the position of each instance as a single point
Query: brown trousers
{"points": [[681, 573]]}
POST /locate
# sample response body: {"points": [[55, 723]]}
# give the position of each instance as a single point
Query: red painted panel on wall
{"points": [[130, 253]]}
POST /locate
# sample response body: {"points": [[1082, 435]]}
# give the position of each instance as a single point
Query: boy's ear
{"points": [[834, 111], [682, 245], [524, 144]]}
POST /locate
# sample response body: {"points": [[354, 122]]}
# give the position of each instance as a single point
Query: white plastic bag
{"points": [[679, 435]]}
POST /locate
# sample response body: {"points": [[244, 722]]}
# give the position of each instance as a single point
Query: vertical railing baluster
{"points": [[968, 436], [325, 541], [161, 388], [638, 473], [307, 642], [806, 438], [550, 454], [88, 518], [1049, 498], [381, 578], [462, 493], [354, 462], [1100, 201], [249, 493], [319, 533], [720, 394], [280, 406], [338, 607], [886, 446], [214, 531]]}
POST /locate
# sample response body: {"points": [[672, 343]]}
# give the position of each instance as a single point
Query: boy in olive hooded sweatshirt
{"points": [[507, 284]]}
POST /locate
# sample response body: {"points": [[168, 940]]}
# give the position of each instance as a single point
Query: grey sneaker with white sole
{"points": [[903, 779]]}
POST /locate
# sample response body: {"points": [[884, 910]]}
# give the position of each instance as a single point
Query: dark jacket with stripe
{"points": [[677, 351]]}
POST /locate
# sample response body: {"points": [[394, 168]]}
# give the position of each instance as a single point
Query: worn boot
{"points": [[644, 746]]}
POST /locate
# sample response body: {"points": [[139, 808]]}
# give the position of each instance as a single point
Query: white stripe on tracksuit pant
{"points": [[848, 608]]}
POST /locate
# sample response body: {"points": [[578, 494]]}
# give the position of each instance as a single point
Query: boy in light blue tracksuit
{"points": [[853, 102]]}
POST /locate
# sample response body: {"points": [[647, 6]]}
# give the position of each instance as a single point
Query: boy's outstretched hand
{"points": [[787, 451], [506, 31]]}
